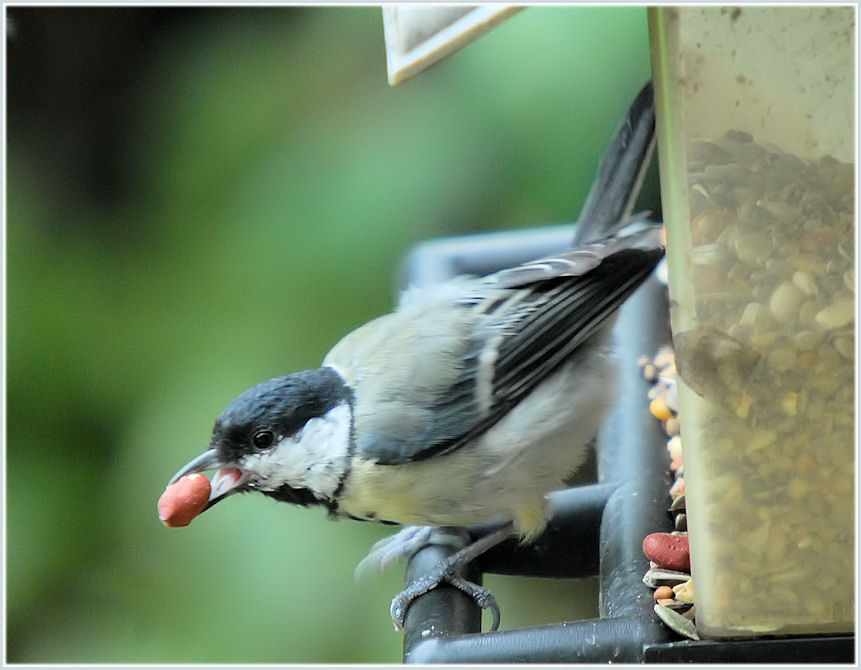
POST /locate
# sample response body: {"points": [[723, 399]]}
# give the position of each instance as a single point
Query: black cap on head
{"points": [[281, 405]]}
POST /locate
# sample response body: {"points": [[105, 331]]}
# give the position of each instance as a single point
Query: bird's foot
{"points": [[444, 573], [448, 571]]}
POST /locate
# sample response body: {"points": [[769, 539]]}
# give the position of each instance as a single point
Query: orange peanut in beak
{"points": [[183, 500]]}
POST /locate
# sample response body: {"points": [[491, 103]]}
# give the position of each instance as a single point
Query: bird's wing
{"points": [[470, 357]]}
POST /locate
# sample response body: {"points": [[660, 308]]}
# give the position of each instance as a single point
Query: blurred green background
{"points": [[199, 199]]}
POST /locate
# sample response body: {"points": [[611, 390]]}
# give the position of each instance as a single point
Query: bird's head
{"points": [[287, 437]]}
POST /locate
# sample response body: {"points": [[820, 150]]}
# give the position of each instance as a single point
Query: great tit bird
{"points": [[466, 405]]}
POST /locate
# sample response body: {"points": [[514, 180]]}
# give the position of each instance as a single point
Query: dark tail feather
{"points": [[620, 176]]}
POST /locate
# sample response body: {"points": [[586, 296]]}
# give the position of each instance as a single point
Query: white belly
{"points": [[505, 474]]}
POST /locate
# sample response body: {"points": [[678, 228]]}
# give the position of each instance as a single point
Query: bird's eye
{"points": [[263, 439]]}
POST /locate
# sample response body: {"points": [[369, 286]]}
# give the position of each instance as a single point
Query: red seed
{"points": [[668, 551], [183, 500]]}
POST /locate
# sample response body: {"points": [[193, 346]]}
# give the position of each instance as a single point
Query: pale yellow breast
{"points": [[440, 492]]}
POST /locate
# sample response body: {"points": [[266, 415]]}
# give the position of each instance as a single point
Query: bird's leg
{"points": [[448, 571], [407, 542], [402, 544]]}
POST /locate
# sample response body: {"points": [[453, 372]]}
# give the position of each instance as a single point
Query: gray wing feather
{"points": [[528, 326]]}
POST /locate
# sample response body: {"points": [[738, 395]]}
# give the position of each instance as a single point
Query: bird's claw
{"points": [[444, 573]]}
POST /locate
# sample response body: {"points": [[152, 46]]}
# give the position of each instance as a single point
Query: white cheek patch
{"points": [[315, 458]]}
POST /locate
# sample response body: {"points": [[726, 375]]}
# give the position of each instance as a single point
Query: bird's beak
{"points": [[208, 460], [227, 480]]}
